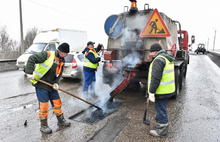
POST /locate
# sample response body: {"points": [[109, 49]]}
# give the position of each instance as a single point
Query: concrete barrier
{"points": [[9, 55], [214, 53], [8, 64], [214, 56]]}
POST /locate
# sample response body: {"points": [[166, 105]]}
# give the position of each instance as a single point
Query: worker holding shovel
{"points": [[49, 68], [161, 86]]}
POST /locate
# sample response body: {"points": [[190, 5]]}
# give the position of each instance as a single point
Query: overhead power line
{"points": [[51, 8]]}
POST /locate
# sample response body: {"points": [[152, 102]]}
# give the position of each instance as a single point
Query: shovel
{"points": [[146, 121], [68, 93]]}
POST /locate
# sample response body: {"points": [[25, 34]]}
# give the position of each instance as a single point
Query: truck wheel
{"points": [[177, 89], [187, 58], [183, 70]]}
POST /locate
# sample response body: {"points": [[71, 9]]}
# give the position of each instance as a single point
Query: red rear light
{"points": [[109, 65], [74, 63]]}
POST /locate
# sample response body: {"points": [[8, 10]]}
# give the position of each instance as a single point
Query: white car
{"points": [[73, 67]]}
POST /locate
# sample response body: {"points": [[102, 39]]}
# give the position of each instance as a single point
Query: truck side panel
{"points": [[76, 39]]}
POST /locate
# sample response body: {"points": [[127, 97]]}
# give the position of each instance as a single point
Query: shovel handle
{"points": [[68, 93]]}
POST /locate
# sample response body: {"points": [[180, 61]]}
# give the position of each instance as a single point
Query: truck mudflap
{"points": [[122, 84]]}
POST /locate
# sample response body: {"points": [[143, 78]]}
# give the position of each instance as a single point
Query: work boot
{"points": [[161, 130], [155, 134], [62, 121], [44, 127], [94, 96], [85, 96]]}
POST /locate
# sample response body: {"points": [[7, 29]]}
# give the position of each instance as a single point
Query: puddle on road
{"points": [[92, 115]]}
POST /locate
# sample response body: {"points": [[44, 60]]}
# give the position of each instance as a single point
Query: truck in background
{"points": [[200, 48], [49, 40], [130, 35]]}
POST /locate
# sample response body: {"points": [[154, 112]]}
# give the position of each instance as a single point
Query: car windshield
{"points": [[35, 48], [201, 46]]}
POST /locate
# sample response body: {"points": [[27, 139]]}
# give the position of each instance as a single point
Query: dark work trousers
{"points": [[45, 96], [90, 79], [160, 111]]}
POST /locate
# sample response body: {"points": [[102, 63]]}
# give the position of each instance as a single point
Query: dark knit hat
{"points": [[90, 42], [64, 47], [155, 47]]}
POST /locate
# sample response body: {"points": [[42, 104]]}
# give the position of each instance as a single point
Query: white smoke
{"points": [[131, 60]]}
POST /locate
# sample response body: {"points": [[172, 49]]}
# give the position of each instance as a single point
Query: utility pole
{"points": [[214, 40], [21, 29], [208, 44]]}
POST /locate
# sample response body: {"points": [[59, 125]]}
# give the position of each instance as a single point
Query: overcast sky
{"points": [[199, 17]]}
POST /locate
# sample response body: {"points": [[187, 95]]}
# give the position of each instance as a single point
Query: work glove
{"points": [[99, 46], [152, 97], [30, 76], [55, 86], [99, 59]]}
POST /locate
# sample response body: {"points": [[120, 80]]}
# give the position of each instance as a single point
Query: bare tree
{"points": [[7, 44], [29, 38], [5, 41], [14, 45]]}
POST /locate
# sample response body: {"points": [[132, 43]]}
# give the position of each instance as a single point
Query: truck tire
{"points": [[181, 75], [187, 60], [177, 89]]}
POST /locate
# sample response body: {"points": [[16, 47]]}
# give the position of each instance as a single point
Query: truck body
{"points": [[127, 56], [49, 40]]}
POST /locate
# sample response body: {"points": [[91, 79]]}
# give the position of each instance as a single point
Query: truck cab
{"points": [[184, 42], [34, 48], [49, 40], [44, 41]]}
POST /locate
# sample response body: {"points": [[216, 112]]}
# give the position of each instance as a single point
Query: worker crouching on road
{"points": [[91, 62], [49, 68], [161, 86]]}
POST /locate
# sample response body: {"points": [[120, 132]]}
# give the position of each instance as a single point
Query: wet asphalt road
{"points": [[194, 116]]}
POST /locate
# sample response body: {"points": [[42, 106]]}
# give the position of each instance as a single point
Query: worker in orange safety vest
{"points": [[49, 68]]}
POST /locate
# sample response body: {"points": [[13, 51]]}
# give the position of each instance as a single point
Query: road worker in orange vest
{"points": [[49, 68]]}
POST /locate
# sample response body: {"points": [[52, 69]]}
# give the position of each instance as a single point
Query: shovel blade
{"points": [[146, 121]]}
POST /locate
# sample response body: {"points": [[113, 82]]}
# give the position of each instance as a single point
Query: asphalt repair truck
{"points": [[130, 35]]}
